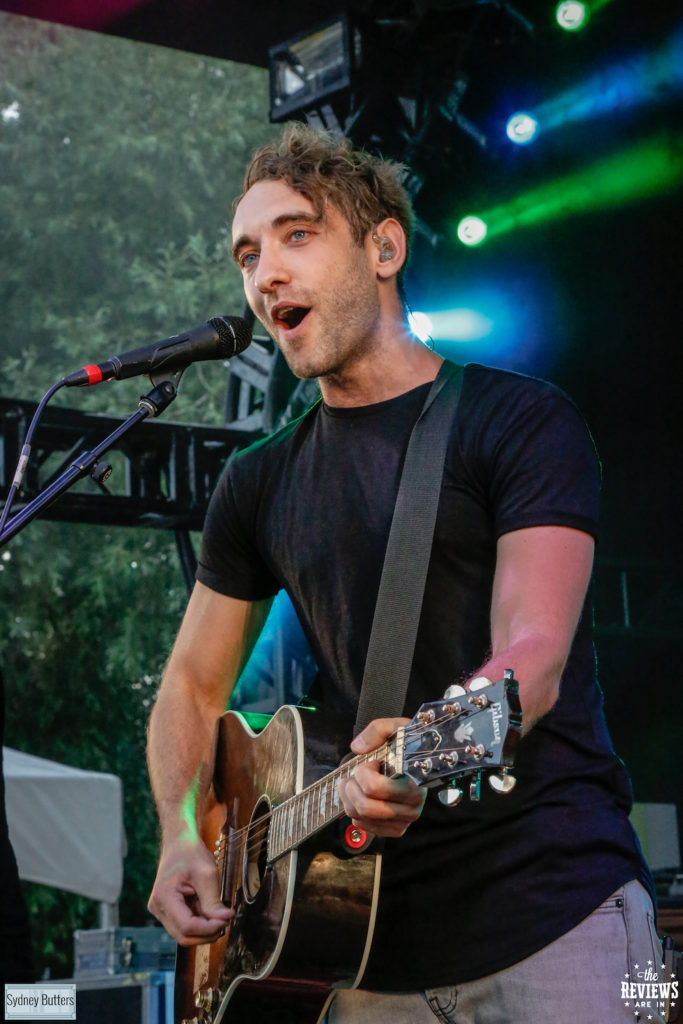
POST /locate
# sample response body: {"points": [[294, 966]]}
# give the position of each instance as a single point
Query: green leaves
{"points": [[119, 162]]}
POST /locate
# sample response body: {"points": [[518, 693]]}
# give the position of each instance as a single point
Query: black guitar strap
{"points": [[404, 573]]}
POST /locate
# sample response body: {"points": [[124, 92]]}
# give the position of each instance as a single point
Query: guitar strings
{"points": [[257, 830], [341, 771], [262, 824]]}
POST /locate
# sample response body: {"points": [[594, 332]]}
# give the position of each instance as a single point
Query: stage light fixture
{"points": [[522, 128], [309, 68], [572, 15], [472, 230]]}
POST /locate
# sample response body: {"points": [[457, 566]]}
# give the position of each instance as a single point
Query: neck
{"points": [[394, 363]]}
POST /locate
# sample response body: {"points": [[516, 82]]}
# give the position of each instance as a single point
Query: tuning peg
{"points": [[453, 708], [480, 683], [450, 796], [454, 691], [478, 751], [503, 782], [425, 766], [475, 786]]}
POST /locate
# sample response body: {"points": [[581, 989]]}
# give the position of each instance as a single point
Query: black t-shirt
{"points": [[471, 890]]}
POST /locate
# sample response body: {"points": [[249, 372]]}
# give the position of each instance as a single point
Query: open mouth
{"points": [[289, 317]]}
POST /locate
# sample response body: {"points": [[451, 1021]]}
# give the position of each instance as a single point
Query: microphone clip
{"points": [[164, 391]]}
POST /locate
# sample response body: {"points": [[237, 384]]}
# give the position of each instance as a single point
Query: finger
{"points": [[200, 875], [361, 805], [393, 826], [201, 931], [186, 895], [386, 829], [374, 784], [374, 734], [179, 912]]}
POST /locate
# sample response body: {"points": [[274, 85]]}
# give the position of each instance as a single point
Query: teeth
{"points": [[291, 316]]}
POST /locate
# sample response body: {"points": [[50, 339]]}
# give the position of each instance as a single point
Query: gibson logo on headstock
{"points": [[496, 716]]}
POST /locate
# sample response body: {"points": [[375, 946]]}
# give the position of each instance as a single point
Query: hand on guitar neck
{"points": [[374, 802]]}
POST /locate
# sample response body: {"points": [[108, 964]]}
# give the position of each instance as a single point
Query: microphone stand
{"points": [[153, 404]]}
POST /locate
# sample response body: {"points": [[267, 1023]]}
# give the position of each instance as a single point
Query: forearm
{"points": [[214, 640], [213, 643], [186, 896], [538, 592], [538, 663], [179, 753]]}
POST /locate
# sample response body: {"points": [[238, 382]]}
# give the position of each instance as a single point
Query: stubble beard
{"points": [[346, 322]]}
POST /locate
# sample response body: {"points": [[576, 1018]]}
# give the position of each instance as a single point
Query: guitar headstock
{"points": [[461, 736]]}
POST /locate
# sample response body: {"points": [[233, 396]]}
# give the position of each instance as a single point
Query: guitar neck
{"points": [[307, 812], [462, 735]]}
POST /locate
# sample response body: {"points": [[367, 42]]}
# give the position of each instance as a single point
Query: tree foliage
{"points": [[119, 163]]}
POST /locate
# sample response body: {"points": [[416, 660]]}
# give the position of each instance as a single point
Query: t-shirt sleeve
{"points": [[230, 561], [540, 459]]}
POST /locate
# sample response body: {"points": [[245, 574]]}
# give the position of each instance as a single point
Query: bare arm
{"points": [[542, 575], [540, 583], [213, 643]]}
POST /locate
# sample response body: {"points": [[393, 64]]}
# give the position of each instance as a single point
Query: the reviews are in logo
{"points": [[648, 992]]}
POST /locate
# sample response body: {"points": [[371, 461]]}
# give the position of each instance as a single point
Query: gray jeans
{"points": [[584, 977]]}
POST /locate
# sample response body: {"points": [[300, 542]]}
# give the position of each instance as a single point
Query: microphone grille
{"points": [[233, 331]]}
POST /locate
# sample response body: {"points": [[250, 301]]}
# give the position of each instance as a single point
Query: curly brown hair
{"points": [[324, 168]]}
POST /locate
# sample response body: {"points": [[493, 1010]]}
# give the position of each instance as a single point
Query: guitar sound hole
{"points": [[256, 852]]}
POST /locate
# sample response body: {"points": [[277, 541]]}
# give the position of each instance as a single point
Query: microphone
{"points": [[219, 338]]}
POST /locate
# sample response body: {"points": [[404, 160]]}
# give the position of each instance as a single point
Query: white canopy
{"points": [[66, 825]]}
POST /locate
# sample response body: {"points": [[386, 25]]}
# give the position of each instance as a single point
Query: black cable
{"points": [[26, 451]]}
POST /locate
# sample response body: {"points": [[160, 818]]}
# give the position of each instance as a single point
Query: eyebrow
{"points": [[278, 222]]}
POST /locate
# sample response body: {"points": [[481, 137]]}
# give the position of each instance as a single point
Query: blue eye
{"points": [[247, 259], [299, 234]]}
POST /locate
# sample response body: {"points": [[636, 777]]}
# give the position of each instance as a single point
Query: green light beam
{"points": [[644, 170], [188, 811]]}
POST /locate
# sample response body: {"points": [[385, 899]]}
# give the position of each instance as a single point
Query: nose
{"points": [[271, 270]]}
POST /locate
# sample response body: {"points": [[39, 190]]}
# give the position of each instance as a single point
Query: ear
{"points": [[387, 245]]}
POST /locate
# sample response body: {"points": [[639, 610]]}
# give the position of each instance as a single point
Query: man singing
{"points": [[520, 910]]}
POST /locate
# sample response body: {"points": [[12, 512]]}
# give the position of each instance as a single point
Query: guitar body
{"points": [[303, 923], [305, 903]]}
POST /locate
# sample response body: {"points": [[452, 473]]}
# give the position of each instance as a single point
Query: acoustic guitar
{"points": [[302, 879]]}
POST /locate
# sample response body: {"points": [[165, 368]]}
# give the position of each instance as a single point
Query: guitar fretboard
{"points": [[305, 813]]}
